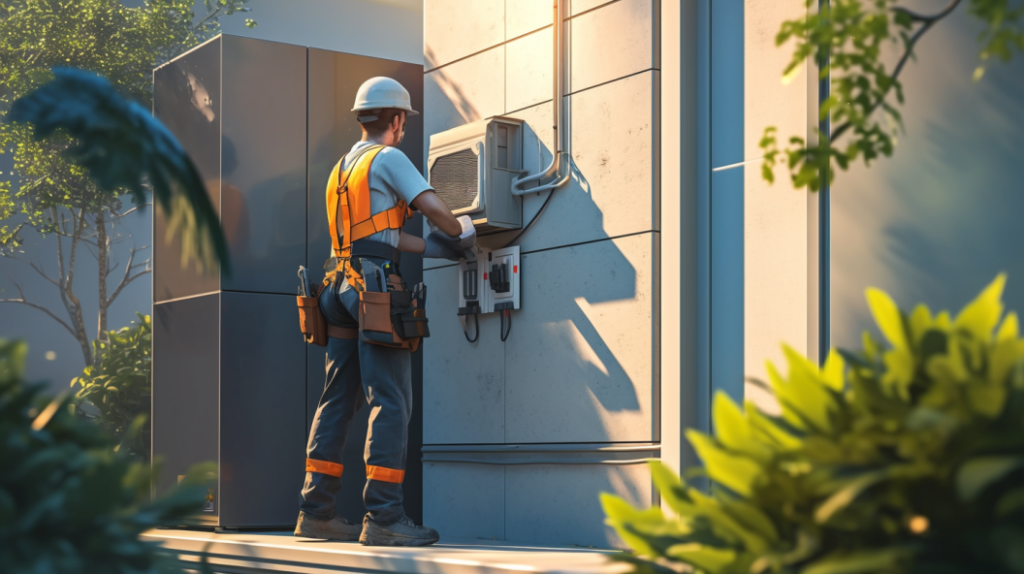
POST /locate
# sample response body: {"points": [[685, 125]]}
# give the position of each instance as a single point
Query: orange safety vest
{"points": [[348, 196]]}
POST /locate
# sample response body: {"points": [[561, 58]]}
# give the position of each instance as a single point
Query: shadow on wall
{"points": [[569, 340], [938, 220], [457, 101]]}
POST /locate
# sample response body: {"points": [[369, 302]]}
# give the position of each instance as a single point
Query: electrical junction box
{"points": [[472, 167], [489, 281]]}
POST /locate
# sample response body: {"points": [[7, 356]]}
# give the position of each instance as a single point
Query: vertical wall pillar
{"points": [[680, 233]]}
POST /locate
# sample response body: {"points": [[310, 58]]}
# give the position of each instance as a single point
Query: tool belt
{"points": [[389, 313], [313, 324]]}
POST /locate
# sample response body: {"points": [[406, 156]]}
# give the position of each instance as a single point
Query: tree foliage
{"points": [[118, 384], [68, 502], [846, 39], [907, 456]]}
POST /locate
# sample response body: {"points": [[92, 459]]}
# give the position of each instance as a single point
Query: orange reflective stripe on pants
{"points": [[324, 467], [385, 474]]}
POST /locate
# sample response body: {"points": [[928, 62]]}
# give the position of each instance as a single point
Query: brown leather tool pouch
{"points": [[389, 319], [312, 321], [314, 326], [375, 324]]}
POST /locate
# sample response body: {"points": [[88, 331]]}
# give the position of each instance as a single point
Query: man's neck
{"points": [[379, 140]]}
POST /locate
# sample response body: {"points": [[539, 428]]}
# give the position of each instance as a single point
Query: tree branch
{"points": [[209, 16], [918, 17], [43, 275], [929, 21], [127, 278], [35, 306], [120, 215]]}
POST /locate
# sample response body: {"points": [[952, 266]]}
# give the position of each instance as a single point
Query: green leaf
{"points": [[733, 430], [1010, 503], [624, 518], [888, 317], [1009, 330], [707, 558], [736, 472], [846, 495], [977, 474], [866, 562], [832, 373], [981, 316]]}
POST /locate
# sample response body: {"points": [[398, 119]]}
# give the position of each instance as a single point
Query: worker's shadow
{"points": [[574, 345]]}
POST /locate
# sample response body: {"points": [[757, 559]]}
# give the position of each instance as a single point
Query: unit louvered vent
{"points": [[455, 178]]}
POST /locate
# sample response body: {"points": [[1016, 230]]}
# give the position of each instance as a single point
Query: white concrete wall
{"points": [[584, 361], [780, 223], [391, 29], [581, 364]]}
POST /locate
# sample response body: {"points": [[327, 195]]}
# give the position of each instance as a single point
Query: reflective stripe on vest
{"points": [[348, 196]]}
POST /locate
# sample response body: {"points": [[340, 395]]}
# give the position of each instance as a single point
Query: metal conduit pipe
{"points": [[558, 160]]}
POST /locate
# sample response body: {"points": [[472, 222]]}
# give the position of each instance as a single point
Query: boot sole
{"points": [[325, 536], [398, 541]]}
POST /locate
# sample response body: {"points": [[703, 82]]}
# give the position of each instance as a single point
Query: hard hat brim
{"points": [[382, 106]]}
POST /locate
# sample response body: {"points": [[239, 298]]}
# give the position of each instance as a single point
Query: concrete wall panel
{"points": [[464, 500], [263, 179], [577, 6], [263, 414], [455, 29], [613, 146], [528, 70], [463, 382], [196, 74], [186, 386], [579, 365], [778, 222], [464, 92], [525, 16], [610, 43], [767, 101], [547, 502]]}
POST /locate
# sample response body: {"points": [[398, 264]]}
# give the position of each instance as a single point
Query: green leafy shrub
{"points": [[118, 384], [68, 501], [907, 456]]}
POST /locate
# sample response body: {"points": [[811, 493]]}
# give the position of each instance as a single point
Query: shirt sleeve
{"points": [[401, 175]]}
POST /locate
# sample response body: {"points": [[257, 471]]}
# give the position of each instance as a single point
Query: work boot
{"points": [[336, 528], [402, 533]]}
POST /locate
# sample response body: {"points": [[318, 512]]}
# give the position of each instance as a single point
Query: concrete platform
{"points": [[258, 552]]}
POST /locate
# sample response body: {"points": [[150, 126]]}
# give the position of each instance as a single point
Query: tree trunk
{"points": [[102, 254], [67, 280]]}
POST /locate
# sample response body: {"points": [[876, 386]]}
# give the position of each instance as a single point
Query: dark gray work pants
{"points": [[358, 372]]}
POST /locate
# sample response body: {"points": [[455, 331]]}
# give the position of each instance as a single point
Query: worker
{"points": [[357, 370]]}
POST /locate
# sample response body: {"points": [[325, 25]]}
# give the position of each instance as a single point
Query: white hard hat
{"points": [[383, 92]]}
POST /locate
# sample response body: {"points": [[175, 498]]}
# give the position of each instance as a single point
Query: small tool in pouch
{"points": [[303, 282], [375, 307], [312, 322]]}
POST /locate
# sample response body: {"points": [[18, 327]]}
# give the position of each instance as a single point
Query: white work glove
{"points": [[440, 245], [467, 239]]}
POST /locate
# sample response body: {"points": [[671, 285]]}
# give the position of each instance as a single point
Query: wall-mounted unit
{"points": [[472, 167]]}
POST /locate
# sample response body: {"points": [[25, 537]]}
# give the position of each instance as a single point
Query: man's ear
{"points": [[396, 122]]}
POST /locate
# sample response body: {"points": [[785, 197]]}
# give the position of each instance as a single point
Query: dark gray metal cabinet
{"points": [[233, 382]]}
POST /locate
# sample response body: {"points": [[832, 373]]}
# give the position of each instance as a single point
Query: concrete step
{"points": [[259, 552]]}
